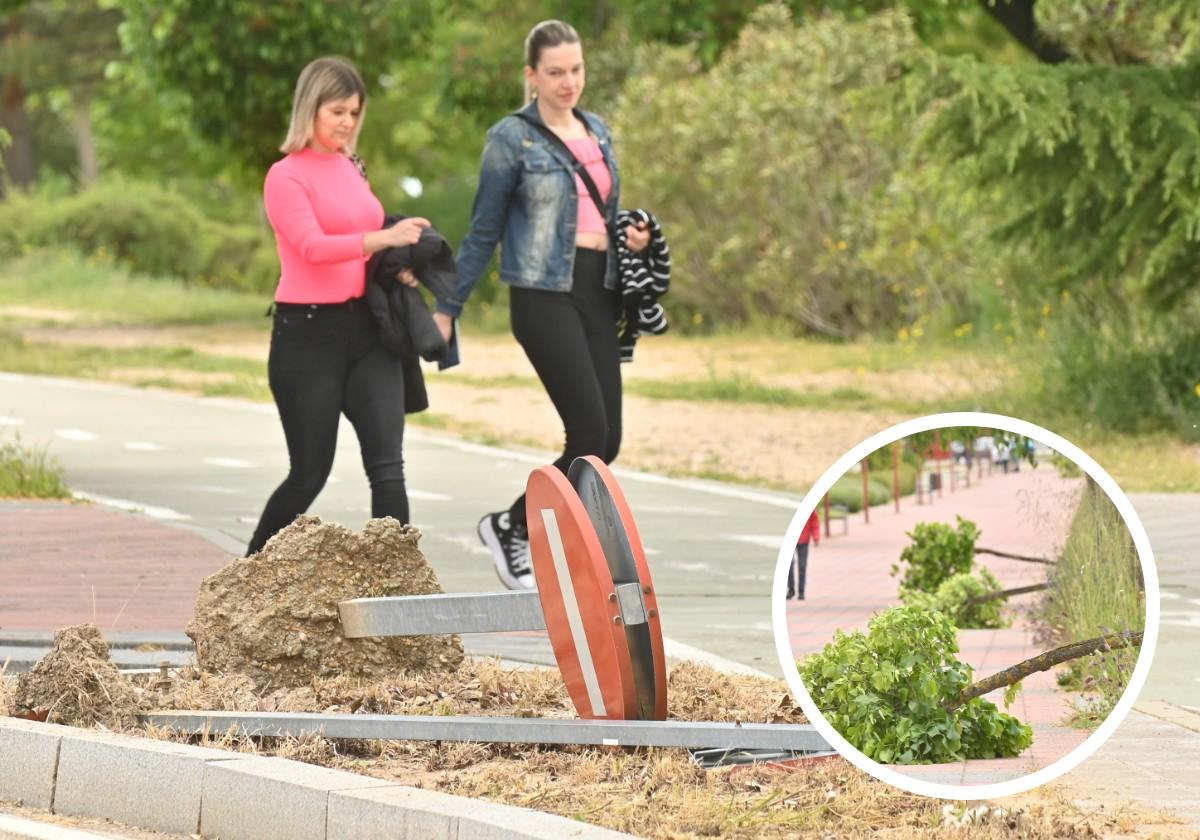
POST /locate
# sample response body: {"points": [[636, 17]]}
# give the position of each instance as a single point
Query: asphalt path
{"points": [[209, 464]]}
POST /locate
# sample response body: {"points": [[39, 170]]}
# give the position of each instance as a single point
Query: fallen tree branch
{"points": [[1043, 662], [1004, 593], [1006, 555]]}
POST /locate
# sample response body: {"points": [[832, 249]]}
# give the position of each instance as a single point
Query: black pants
{"points": [[326, 360], [571, 340], [798, 570]]}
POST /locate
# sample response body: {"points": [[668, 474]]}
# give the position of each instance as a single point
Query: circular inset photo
{"points": [[965, 605]]}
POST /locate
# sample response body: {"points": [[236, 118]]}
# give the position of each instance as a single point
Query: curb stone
{"points": [[184, 789]]}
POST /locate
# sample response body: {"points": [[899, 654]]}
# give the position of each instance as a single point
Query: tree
{"points": [[237, 60]]}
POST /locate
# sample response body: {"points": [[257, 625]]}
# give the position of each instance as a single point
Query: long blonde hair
{"points": [[548, 33], [323, 80]]}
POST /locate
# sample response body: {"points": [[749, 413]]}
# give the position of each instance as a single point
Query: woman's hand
{"points": [[407, 278], [445, 325], [637, 237], [406, 231]]}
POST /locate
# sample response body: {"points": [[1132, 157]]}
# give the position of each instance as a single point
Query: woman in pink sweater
{"points": [[325, 357]]}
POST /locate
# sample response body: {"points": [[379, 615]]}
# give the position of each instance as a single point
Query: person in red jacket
{"points": [[798, 569]]}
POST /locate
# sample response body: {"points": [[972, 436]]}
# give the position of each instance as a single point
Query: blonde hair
{"points": [[548, 33], [322, 80]]}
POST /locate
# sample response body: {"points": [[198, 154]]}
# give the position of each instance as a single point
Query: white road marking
{"points": [[772, 542], [231, 463], [222, 491], [679, 651], [11, 421], [690, 567], [75, 434], [1180, 619], [143, 446], [153, 511], [467, 543], [574, 618], [1162, 594], [428, 496]]}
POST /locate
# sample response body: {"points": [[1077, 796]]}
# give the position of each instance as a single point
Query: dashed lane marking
{"points": [[75, 434], [231, 463], [144, 446]]}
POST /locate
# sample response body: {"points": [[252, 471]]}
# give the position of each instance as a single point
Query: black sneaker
{"points": [[509, 545]]}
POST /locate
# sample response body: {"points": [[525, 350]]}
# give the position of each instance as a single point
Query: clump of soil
{"points": [[273, 617], [76, 683]]}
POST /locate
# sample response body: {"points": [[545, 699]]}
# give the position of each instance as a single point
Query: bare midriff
{"points": [[592, 241]]}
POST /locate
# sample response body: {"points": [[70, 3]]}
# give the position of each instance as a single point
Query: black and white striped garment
{"points": [[644, 277]]}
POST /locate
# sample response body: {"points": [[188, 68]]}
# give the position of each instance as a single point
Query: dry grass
{"points": [[647, 792]]}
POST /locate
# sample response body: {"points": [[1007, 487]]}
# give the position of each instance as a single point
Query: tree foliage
{"points": [[952, 599], [937, 552], [885, 692], [237, 60], [766, 178]]}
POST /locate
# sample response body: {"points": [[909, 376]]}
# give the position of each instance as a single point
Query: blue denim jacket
{"points": [[527, 202]]}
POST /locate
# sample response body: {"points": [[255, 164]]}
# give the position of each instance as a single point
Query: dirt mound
{"points": [[274, 618], [77, 684]]}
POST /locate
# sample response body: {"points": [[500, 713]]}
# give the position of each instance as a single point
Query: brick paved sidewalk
{"points": [[849, 579], [65, 563]]}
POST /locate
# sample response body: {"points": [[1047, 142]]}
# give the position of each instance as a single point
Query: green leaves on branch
{"points": [[937, 552], [884, 692], [952, 599], [1094, 169]]}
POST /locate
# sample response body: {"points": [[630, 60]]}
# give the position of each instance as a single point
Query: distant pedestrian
{"points": [[326, 358], [548, 196], [798, 570]]}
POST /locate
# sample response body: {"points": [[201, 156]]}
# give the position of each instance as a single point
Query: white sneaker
{"points": [[509, 545]]}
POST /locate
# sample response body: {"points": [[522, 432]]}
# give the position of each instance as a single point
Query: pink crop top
{"points": [[587, 151], [320, 207]]}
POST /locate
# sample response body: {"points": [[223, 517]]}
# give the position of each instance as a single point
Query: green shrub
{"points": [[146, 228], [951, 598], [937, 552], [885, 693], [29, 473], [848, 491]]}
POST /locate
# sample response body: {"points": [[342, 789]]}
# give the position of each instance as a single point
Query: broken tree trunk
{"points": [[1004, 593], [1006, 555], [1043, 662]]}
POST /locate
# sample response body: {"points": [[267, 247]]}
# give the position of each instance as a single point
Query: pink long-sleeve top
{"points": [[320, 207]]}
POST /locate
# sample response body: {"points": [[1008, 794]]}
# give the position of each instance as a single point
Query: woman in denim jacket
{"points": [[559, 261]]}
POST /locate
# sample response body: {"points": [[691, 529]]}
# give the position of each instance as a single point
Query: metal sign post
{"points": [[596, 601]]}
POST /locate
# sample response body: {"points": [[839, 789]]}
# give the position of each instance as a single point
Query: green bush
{"points": [[885, 693], [951, 598], [150, 230], [848, 491], [937, 553]]}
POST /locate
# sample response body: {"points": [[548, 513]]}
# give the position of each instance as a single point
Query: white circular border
{"points": [[787, 659]]}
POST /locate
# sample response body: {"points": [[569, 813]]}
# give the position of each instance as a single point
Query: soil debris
{"points": [[273, 617], [76, 683]]}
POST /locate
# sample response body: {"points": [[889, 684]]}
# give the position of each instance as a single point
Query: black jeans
{"points": [[326, 360], [798, 570], [571, 340]]}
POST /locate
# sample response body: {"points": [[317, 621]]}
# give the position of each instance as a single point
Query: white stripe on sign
{"points": [[232, 463], [74, 434], [574, 619]]}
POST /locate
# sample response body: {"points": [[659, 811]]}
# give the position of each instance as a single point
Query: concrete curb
{"points": [[182, 789]]}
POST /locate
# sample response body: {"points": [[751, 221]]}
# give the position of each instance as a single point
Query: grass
{"points": [[1096, 588], [96, 292], [29, 473]]}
